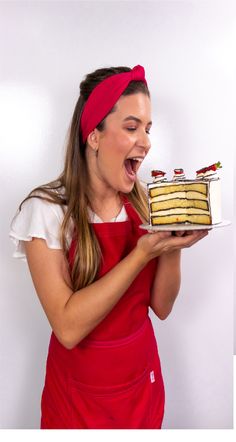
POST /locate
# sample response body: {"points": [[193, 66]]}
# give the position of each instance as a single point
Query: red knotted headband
{"points": [[104, 96]]}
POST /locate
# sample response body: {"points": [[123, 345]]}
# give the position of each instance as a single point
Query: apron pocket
{"points": [[123, 406]]}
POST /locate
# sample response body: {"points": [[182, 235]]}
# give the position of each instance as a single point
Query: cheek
{"points": [[119, 145], [116, 149]]}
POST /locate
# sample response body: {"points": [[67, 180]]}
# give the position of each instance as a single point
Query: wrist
{"points": [[173, 254], [140, 256]]}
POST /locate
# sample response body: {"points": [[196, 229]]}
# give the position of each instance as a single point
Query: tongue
{"points": [[128, 166]]}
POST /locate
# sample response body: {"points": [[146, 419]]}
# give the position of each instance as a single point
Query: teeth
{"points": [[136, 159]]}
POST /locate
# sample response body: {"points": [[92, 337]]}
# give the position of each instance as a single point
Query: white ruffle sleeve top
{"points": [[41, 219]]}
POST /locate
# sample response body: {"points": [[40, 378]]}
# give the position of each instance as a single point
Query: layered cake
{"points": [[184, 201]]}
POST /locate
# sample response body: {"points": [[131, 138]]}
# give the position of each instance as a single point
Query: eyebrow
{"points": [[132, 117]]}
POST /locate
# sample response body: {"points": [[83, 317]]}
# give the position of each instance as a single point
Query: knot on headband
{"points": [[137, 73], [104, 96]]}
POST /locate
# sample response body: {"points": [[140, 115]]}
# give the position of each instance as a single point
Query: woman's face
{"points": [[123, 144]]}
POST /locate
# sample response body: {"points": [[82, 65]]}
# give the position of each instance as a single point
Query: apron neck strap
{"points": [[131, 212]]}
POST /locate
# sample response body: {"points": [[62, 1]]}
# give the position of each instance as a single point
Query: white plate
{"points": [[175, 227]]}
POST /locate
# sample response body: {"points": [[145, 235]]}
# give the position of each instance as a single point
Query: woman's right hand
{"points": [[155, 244]]}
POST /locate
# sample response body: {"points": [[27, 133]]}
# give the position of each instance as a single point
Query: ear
{"points": [[93, 139]]}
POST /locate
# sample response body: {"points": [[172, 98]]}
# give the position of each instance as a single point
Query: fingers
{"points": [[163, 242], [160, 234], [192, 238], [169, 243], [188, 232], [179, 233]]}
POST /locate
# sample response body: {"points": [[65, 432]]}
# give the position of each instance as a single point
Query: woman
{"points": [[95, 271]]}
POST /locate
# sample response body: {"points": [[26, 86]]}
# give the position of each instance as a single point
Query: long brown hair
{"points": [[70, 191]]}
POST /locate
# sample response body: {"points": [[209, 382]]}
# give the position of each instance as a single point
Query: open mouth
{"points": [[132, 165]]}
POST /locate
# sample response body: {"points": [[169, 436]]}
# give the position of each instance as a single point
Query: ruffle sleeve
{"points": [[40, 219]]}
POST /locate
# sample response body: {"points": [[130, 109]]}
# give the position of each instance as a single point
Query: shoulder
{"points": [[41, 202], [38, 208], [37, 217]]}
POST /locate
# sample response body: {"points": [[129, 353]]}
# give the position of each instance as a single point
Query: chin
{"points": [[127, 188]]}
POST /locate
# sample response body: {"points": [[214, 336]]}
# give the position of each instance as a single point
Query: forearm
{"points": [[87, 307], [166, 283]]}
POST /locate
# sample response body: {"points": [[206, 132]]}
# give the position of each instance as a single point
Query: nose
{"points": [[144, 141]]}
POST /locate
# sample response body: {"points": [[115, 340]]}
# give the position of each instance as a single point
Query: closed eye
{"points": [[131, 129]]}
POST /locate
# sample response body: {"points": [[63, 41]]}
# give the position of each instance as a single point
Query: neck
{"points": [[101, 196], [104, 201]]}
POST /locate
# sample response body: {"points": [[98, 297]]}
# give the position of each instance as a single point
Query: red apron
{"points": [[112, 379]]}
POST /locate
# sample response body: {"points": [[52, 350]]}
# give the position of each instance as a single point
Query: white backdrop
{"points": [[188, 51]]}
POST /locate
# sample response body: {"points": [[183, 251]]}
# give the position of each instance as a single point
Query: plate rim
{"points": [[176, 227]]}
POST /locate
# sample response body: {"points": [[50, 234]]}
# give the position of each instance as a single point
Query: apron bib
{"points": [[112, 379]]}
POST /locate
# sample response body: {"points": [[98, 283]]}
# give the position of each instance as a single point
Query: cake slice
{"points": [[182, 201]]}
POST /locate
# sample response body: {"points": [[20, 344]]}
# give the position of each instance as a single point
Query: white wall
{"points": [[187, 48]]}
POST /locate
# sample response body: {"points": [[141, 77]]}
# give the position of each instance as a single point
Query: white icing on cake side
{"points": [[215, 201]]}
